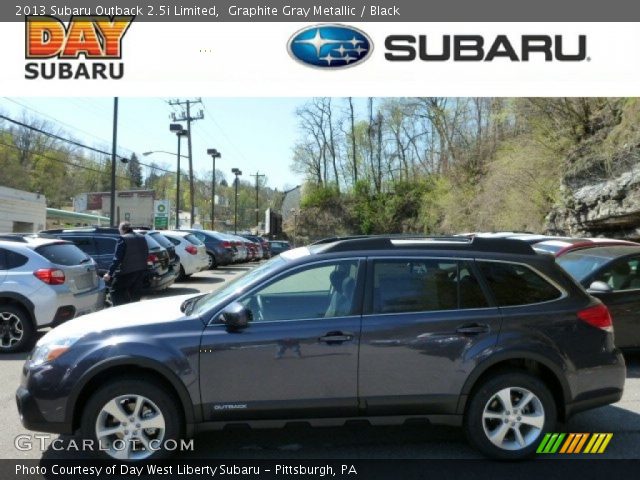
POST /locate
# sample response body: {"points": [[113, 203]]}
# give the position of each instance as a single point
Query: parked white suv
{"points": [[43, 282]]}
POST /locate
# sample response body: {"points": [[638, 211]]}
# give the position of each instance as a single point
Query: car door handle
{"points": [[473, 329], [336, 337]]}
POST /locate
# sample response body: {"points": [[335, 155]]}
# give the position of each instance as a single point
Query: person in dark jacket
{"points": [[129, 266]]}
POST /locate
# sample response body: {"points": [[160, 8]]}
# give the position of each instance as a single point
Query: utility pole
{"points": [[237, 172], [186, 117], [114, 147], [257, 175]]}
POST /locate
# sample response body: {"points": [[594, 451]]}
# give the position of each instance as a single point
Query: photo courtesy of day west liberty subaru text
{"points": [[85, 47]]}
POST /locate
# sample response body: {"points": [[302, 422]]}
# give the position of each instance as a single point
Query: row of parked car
{"points": [[55, 275]]}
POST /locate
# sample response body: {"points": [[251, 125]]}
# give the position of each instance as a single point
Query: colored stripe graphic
{"points": [[574, 443]]}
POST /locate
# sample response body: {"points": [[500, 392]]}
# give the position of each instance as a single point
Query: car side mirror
{"points": [[236, 317], [600, 287]]}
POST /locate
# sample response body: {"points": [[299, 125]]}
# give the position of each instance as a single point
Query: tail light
{"points": [[50, 276], [191, 249], [152, 259], [226, 244], [597, 316]]}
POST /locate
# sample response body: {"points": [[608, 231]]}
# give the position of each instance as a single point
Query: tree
{"points": [[134, 171]]}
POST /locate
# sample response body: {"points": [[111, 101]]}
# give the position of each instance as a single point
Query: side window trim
{"points": [[358, 294], [563, 292], [367, 308]]}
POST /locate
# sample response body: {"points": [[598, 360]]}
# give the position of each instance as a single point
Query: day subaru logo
{"points": [[330, 46]]}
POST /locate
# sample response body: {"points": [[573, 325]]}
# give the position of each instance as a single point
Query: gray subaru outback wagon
{"points": [[481, 333]]}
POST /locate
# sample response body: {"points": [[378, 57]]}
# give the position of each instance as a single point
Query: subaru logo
{"points": [[330, 46]]}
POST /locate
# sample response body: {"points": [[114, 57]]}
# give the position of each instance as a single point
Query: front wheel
{"points": [[508, 414], [132, 419], [212, 261]]}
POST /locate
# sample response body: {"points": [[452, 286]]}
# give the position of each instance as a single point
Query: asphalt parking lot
{"points": [[352, 442]]}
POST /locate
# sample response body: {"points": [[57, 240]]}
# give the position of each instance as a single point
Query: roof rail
{"points": [[391, 242], [22, 237]]}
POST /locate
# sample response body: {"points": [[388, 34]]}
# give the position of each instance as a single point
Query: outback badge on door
{"points": [[330, 46]]}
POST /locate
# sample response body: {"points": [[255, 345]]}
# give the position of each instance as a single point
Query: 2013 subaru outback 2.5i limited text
{"points": [[482, 333]]}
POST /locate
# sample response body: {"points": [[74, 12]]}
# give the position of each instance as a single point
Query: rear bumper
{"points": [[598, 386], [55, 311], [160, 282]]}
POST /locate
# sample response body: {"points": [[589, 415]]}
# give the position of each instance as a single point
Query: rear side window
{"points": [[193, 239], [417, 285], [10, 260], [161, 239], [105, 245], [62, 254], [15, 259], [85, 244], [514, 284]]}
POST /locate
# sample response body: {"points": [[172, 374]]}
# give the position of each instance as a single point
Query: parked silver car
{"points": [[43, 282], [191, 251]]}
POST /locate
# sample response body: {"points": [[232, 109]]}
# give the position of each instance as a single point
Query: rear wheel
{"points": [[508, 415], [212, 261], [16, 329], [132, 419], [181, 275]]}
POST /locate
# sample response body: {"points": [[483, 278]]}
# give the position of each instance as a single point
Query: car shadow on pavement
{"points": [[358, 439], [633, 364], [204, 280], [171, 292], [14, 356]]}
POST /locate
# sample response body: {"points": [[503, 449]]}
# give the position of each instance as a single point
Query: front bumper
{"points": [[32, 418]]}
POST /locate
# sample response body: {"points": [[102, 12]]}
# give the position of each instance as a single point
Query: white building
{"points": [[22, 212]]}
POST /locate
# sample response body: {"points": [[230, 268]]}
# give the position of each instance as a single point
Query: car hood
{"points": [[146, 312]]}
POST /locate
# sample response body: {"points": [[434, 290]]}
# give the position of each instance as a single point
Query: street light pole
{"points": [[214, 154], [112, 206], [180, 132], [237, 172]]}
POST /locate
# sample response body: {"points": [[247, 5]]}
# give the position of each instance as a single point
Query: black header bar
{"points": [[334, 11]]}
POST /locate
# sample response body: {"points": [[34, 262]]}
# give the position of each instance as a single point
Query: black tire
{"points": [[181, 276], [212, 261], [477, 428], [132, 386], [17, 332]]}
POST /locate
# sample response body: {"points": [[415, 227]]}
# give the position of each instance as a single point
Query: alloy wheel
{"points": [[11, 329], [513, 418], [130, 427]]}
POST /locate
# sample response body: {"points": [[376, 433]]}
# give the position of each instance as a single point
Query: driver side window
{"points": [[623, 274], [320, 291]]}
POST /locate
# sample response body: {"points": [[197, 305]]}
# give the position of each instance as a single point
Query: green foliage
{"points": [[319, 196]]}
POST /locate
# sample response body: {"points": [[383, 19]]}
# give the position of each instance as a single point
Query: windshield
{"points": [[208, 302], [580, 265]]}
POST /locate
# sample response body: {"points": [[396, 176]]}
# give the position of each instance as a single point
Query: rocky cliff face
{"points": [[601, 198]]}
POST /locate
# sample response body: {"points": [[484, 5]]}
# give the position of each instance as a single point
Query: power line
{"points": [[66, 162], [77, 144], [28, 107], [224, 134]]}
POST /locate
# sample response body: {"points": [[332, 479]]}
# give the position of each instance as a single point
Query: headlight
{"points": [[49, 351]]}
